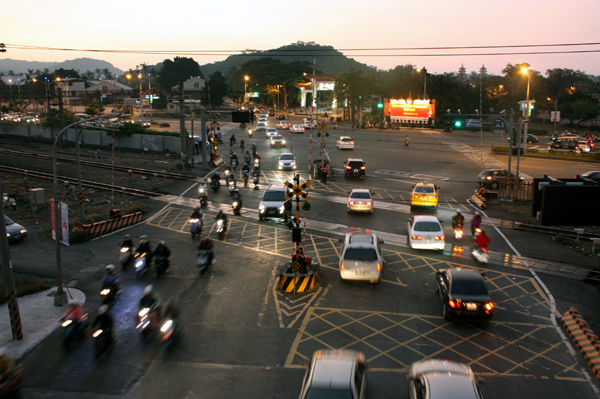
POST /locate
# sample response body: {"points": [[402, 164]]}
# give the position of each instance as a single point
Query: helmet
{"points": [[161, 242], [127, 236], [458, 211], [148, 289], [477, 213], [110, 268], [102, 309]]}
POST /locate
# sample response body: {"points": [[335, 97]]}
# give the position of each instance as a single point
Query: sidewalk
{"points": [[39, 319]]}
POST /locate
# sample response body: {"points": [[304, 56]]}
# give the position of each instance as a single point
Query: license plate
{"points": [[359, 271], [471, 306], [270, 212], [423, 198]]}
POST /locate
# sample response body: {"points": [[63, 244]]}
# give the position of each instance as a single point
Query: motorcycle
{"points": [[232, 186], [144, 322], [406, 143], [203, 261], [72, 330], [170, 333], [481, 255], [102, 342], [196, 227], [221, 228], [257, 163], [242, 125], [227, 175], [125, 257], [11, 386], [141, 264], [237, 206], [232, 142], [215, 185], [250, 133], [109, 294], [255, 181], [203, 195], [246, 176], [161, 263], [247, 159], [234, 163]]}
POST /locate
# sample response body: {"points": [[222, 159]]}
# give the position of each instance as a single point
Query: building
{"points": [[107, 86], [193, 88]]}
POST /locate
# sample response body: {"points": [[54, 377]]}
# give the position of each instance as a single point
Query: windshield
{"points": [[286, 157], [360, 195], [363, 254], [424, 189], [274, 196], [346, 139], [277, 138], [355, 164], [7, 221], [262, 124], [427, 226], [468, 287]]}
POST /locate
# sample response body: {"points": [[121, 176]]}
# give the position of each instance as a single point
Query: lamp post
{"points": [[140, 76], [59, 296], [555, 111], [526, 71], [246, 78], [424, 81]]}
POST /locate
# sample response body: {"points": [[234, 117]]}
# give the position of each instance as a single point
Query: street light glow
{"points": [[525, 70]]}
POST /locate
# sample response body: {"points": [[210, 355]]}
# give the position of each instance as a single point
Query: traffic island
{"points": [[299, 276]]}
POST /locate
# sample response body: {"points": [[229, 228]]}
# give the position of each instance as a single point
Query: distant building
{"points": [[107, 85], [193, 88]]}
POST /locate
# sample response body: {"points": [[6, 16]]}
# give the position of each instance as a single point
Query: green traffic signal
{"points": [[457, 124], [380, 105]]}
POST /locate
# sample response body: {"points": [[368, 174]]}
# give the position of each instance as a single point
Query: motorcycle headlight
{"points": [[235, 204], [281, 209], [143, 312], [124, 249], [138, 264], [97, 333], [67, 322], [166, 326], [105, 291], [219, 222]]}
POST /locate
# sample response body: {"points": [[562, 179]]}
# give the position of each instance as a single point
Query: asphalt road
{"points": [[244, 338]]}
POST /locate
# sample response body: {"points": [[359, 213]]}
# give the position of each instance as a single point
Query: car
{"points": [[337, 373], [261, 127], [570, 145], [309, 124], [593, 175], [360, 200], [463, 293], [261, 120], [272, 203], [354, 167], [345, 143], [287, 161], [297, 129], [271, 132], [493, 177], [424, 195], [442, 379], [271, 112], [14, 231], [532, 139], [425, 232], [277, 141], [283, 125], [360, 257], [263, 115], [280, 116]]}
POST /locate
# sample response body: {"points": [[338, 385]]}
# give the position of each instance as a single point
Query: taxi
{"points": [[425, 195], [277, 141]]}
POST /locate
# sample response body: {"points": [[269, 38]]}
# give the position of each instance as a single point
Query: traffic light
{"points": [[380, 105], [531, 106], [216, 146], [457, 124]]}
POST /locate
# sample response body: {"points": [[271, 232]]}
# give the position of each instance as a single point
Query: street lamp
{"points": [[140, 76], [526, 71], [555, 101], [425, 81], [246, 78], [59, 296]]}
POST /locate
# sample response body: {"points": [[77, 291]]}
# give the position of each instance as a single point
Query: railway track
{"points": [[85, 183], [126, 169], [555, 230]]}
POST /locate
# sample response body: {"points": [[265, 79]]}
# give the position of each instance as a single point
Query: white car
{"points": [[283, 125], [345, 143], [361, 257], [297, 129], [360, 200], [271, 132], [262, 126], [436, 379], [277, 141], [425, 232], [287, 161]]}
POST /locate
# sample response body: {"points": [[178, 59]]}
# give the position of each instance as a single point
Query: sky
{"points": [[363, 30]]}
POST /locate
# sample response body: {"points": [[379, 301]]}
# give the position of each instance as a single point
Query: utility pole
{"points": [[61, 109], [182, 132], [9, 281]]}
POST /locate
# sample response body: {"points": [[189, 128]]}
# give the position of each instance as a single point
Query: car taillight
{"points": [[439, 238], [576, 147], [342, 267], [452, 304], [362, 168], [416, 237], [378, 266], [369, 203], [352, 142], [352, 203], [489, 306]]}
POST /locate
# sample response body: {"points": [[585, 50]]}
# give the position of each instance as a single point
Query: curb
{"points": [[583, 337]]}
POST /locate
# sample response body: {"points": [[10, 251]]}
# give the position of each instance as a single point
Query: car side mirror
{"points": [[381, 242], [412, 186], [345, 161]]}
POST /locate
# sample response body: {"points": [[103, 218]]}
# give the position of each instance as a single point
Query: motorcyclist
{"points": [[232, 140], [242, 144], [216, 177], [207, 244], [221, 216], [481, 240], [74, 312], [7, 366], [172, 313], [254, 150], [144, 247], [127, 242], [151, 301], [406, 139], [324, 172], [233, 157], [247, 157], [105, 321], [475, 222], [196, 214], [458, 220], [220, 138], [162, 250], [111, 279], [246, 169]]}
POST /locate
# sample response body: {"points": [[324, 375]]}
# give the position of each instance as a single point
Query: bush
{"points": [[78, 236], [568, 241], [25, 286], [143, 208]]}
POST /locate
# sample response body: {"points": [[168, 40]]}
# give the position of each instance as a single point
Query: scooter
{"points": [[246, 177], [247, 159], [102, 342], [169, 333], [227, 175], [250, 133], [72, 331], [203, 261], [141, 264], [256, 163], [255, 181], [406, 143], [161, 263], [237, 206], [215, 185], [125, 257], [196, 227], [202, 195], [458, 233], [109, 294], [234, 163], [481, 255], [144, 323], [232, 186], [221, 228]]}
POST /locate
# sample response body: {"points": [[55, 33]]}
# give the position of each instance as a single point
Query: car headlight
{"points": [[261, 208], [281, 209], [282, 141], [280, 166]]}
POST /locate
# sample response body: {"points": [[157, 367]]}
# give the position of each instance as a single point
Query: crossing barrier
{"points": [[478, 198], [291, 281], [583, 337], [110, 225]]}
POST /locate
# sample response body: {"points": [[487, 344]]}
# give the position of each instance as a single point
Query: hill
{"points": [[328, 59], [82, 64]]}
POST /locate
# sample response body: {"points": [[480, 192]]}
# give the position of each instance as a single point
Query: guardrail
{"points": [[517, 190], [110, 225], [584, 338], [478, 198]]}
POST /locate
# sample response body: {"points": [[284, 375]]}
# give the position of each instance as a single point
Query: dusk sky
{"points": [[191, 25]]}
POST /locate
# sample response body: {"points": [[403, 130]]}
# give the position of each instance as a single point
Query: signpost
{"points": [[297, 191]]}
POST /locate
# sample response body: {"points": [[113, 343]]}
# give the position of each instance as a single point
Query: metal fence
{"points": [[517, 190]]}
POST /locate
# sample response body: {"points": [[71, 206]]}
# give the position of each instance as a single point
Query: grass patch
{"points": [[534, 153], [567, 241], [143, 208], [76, 237], [25, 286]]}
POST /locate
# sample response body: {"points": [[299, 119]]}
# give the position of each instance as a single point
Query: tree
{"points": [[66, 73], [218, 89], [581, 110], [178, 70], [95, 108]]}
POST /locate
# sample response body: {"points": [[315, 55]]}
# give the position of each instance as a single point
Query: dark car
{"points": [[354, 167], [594, 175], [14, 231], [463, 293], [493, 177], [281, 116], [532, 139]]}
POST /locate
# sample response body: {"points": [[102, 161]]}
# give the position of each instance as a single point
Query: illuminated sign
{"points": [[409, 109], [325, 86], [255, 94]]}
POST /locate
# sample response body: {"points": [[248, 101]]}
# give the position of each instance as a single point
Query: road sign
{"points": [[499, 124], [297, 190], [472, 123], [323, 127], [555, 116]]}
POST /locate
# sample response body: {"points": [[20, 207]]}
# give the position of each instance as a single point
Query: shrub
{"points": [[568, 241], [143, 208], [24, 286], [78, 236]]}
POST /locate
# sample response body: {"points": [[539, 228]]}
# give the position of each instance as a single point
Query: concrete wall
{"points": [[92, 138]]}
